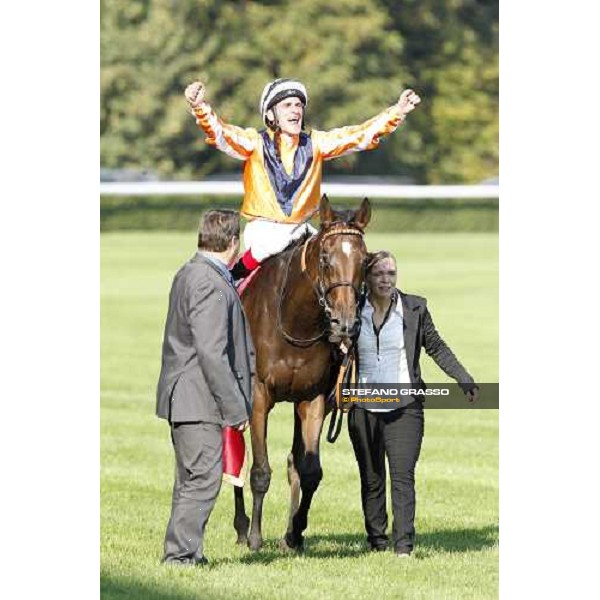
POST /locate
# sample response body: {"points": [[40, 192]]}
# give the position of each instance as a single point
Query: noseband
{"points": [[320, 290]]}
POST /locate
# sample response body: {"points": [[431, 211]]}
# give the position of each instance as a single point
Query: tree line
{"points": [[354, 56]]}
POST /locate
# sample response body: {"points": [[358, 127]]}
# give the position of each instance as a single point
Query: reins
{"points": [[302, 343], [346, 378]]}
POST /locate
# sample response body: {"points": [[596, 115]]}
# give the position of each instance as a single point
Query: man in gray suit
{"points": [[208, 365]]}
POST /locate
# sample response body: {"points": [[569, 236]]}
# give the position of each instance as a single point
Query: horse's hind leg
{"points": [[260, 473], [241, 522], [308, 465]]}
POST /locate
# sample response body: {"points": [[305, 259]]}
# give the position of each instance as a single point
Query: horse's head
{"points": [[339, 272]]}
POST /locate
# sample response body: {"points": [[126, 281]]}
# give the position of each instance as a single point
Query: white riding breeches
{"points": [[266, 238]]}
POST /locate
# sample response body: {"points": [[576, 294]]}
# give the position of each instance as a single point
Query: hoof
{"points": [[255, 543], [290, 544], [242, 528]]}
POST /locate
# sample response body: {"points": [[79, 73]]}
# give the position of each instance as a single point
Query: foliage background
{"points": [[355, 57]]}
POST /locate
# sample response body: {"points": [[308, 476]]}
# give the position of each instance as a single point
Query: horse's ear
{"points": [[362, 216], [325, 212]]}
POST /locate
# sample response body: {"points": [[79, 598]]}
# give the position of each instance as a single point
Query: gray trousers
{"points": [[198, 474]]}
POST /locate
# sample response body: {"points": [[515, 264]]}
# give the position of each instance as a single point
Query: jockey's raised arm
{"points": [[233, 140], [356, 138], [236, 142]]}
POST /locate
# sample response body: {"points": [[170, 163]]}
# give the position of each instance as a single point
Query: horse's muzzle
{"points": [[342, 329]]}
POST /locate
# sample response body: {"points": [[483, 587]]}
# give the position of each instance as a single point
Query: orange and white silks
{"points": [[253, 147]]}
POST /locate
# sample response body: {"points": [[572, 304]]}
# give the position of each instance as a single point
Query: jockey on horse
{"points": [[283, 163]]}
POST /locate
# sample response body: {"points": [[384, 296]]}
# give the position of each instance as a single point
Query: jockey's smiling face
{"points": [[289, 113]]}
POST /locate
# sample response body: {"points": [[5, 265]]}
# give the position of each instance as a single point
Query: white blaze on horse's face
{"points": [[347, 248]]}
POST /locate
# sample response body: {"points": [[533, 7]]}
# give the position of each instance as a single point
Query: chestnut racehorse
{"points": [[302, 304]]}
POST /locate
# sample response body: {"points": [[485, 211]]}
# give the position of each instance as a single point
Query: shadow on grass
{"points": [[316, 546], [122, 588], [346, 545], [459, 540]]}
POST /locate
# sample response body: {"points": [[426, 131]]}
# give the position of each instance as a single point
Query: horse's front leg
{"points": [[293, 480], [260, 473], [308, 465]]}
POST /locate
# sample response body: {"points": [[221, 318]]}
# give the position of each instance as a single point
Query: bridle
{"points": [[319, 288]]}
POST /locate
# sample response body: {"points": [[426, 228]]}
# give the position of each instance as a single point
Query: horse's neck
{"points": [[300, 297]]}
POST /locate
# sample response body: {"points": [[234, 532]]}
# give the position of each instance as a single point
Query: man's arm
{"points": [[356, 138], [209, 322], [234, 141], [444, 357]]}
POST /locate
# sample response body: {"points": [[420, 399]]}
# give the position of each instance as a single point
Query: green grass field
{"points": [[457, 476]]}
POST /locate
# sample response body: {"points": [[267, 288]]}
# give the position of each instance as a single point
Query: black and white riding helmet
{"points": [[278, 90]]}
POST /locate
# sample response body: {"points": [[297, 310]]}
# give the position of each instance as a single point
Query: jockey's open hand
{"points": [[194, 93], [407, 102]]}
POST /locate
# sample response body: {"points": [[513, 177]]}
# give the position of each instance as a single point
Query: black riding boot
{"points": [[239, 270]]}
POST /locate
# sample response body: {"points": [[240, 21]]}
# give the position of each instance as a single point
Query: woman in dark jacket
{"points": [[395, 326]]}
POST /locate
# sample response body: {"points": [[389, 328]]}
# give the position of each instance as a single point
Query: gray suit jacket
{"points": [[208, 359]]}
